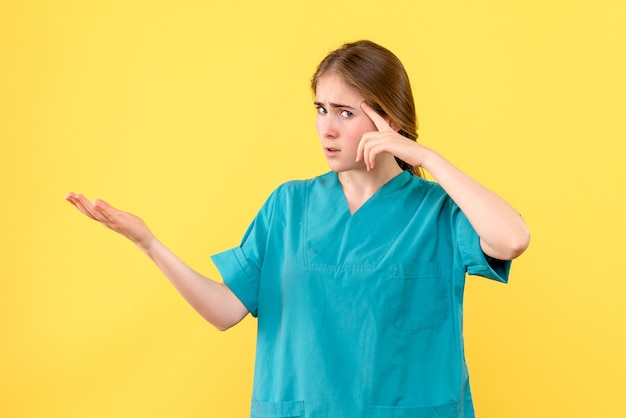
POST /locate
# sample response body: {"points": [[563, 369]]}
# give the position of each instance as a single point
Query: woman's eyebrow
{"points": [[334, 105]]}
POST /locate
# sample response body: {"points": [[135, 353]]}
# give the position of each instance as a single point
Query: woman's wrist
{"points": [[426, 157], [147, 245]]}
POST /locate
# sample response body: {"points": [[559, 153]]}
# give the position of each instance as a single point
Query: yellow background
{"points": [[189, 113]]}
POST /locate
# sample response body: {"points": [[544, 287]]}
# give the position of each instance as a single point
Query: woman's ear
{"points": [[394, 126]]}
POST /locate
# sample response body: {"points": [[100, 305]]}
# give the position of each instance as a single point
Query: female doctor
{"points": [[356, 276]]}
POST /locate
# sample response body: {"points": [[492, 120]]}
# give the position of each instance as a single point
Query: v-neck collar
{"points": [[337, 239], [393, 184]]}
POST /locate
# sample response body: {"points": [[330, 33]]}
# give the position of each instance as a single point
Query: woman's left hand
{"points": [[386, 139], [503, 234]]}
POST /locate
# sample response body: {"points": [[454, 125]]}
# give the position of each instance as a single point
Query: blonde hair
{"points": [[379, 76]]}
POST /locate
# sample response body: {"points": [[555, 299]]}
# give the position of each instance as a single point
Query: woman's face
{"points": [[340, 122]]}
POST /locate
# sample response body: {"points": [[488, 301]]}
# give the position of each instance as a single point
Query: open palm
{"points": [[124, 223]]}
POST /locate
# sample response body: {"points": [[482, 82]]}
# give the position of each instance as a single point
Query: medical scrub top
{"points": [[359, 315]]}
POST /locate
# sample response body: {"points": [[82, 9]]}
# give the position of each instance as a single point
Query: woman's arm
{"points": [[502, 231], [213, 300]]}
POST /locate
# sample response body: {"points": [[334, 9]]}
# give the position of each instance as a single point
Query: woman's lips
{"points": [[330, 151]]}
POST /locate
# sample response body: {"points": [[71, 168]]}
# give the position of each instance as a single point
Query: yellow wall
{"points": [[189, 113]]}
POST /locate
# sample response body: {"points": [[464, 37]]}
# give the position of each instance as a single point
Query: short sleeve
{"points": [[476, 261], [240, 267]]}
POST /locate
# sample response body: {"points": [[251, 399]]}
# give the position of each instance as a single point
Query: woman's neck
{"points": [[359, 185]]}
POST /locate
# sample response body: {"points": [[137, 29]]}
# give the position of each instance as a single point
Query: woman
{"points": [[356, 276]]}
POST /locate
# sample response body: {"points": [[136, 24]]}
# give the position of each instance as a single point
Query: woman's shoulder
{"points": [[408, 181], [302, 185], [425, 191], [293, 194], [422, 183]]}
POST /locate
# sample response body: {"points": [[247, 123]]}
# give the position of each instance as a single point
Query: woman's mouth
{"points": [[331, 151]]}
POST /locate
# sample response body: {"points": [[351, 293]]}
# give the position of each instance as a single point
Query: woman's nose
{"points": [[329, 127]]}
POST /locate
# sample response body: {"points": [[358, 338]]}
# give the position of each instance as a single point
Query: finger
{"points": [[369, 156], [375, 147], [367, 149], [107, 211], [71, 198], [360, 149], [80, 203], [90, 210], [367, 142], [379, 121], [374, 151], [363, 146], [370, 143]]}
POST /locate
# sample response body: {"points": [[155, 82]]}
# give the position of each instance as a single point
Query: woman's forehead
{"points": [[331, 88]]}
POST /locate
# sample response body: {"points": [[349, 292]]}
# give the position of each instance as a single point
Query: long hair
{"points": [[379, 76]]}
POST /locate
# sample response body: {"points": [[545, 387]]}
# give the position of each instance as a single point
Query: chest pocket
{"points": [[419, 296]]}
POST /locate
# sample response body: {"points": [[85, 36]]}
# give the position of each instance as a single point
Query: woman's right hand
{"points": [[127, 224], [213, 300]]}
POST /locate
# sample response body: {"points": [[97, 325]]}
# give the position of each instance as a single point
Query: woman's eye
{"points": [[346, 113]]}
